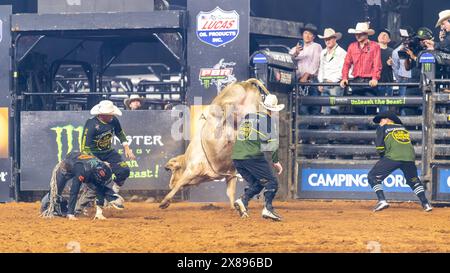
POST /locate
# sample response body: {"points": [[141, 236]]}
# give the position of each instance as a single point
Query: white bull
{"points": [[208, 156]]}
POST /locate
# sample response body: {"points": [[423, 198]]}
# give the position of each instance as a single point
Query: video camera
{"points": [[410, 41]]}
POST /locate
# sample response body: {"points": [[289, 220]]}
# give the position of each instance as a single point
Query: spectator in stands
{"points": [[387, 75], [365, 57], [413, 65], [444, 43], [330, 70], [168, 106], [444, 36], [401, 74], [307, 54], [134, 102]]}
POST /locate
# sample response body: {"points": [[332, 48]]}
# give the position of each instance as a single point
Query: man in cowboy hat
{"points": [[330, 70], [97, 139], [257, 138], [308, 61], [365, 57], [134, 102], [444, 23], [393, 143]]}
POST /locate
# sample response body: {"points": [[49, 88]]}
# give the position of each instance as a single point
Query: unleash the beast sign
{"points": [[217, 27]]}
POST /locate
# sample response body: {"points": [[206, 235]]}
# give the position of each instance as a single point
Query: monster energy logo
{"points": [[427, 67], [332, 100], [66, 134]]}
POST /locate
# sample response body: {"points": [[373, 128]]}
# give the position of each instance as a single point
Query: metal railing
{"points": [[316, 142]]}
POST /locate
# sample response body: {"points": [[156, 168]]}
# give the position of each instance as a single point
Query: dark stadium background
{"points": [[340, 14]]}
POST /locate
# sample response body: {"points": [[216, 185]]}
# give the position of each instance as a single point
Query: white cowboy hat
{"points": [[271, 103], [105, 107], [361, 28], [132, 98], [329, 32], [443, 15]]}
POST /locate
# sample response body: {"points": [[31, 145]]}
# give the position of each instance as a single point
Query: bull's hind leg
{"points": [[231, 190]]}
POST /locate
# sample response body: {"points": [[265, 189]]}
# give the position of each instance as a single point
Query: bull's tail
{"points": [[259, 84]]}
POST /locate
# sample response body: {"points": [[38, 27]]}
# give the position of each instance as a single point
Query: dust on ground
{"points": [[307, 226]]}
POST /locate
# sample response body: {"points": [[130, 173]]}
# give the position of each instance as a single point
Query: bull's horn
{"points": [[259, 84]]}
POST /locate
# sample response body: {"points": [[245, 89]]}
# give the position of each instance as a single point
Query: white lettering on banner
{"points": [[217, 27], [3, 176], [448, 181], [282, 57], [350, 180], [74, 2], [142, 140]]}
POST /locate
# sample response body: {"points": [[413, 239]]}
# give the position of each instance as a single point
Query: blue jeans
{"points": [[313, 92], [408, 91], [385, 91], [332, 91], [259, 175], [402, 89]]}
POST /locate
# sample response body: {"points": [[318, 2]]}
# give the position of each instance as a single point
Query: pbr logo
{"points": [[217, 27], [220, 75]]}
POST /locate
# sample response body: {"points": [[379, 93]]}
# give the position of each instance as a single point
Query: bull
{"points": [[208, 155]]}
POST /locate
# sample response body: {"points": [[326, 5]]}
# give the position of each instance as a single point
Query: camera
{"points": [[413, 41]]}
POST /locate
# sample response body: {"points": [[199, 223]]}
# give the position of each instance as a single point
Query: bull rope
{"points": [[48, 213], [253, 81]]}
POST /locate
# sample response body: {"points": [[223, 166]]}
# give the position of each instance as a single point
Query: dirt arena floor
{"points": [[308, 226]]}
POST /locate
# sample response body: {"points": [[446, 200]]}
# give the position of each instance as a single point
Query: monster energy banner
{"points": [[404, 101], [48, 136]]}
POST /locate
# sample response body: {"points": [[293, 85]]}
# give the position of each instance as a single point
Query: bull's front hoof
{"points": [[164, 205]]}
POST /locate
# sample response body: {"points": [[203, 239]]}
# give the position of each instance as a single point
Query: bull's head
{"points": [[176, 165]]}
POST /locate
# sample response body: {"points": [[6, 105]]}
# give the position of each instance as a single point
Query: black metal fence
{"points": [[349, 138]]}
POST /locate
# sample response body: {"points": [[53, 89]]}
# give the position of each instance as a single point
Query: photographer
{"points": [[401, 74], [444, 36], [411, 48]]}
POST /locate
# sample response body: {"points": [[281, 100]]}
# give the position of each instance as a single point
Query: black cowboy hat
{"points": [[385, 30], [390, 115], [310, 27]]}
